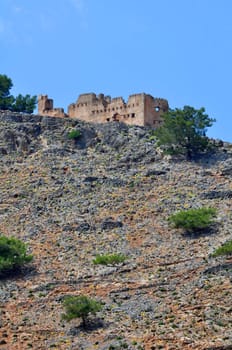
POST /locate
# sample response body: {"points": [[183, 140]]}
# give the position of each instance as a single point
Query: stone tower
{"points": [[45, 107]]}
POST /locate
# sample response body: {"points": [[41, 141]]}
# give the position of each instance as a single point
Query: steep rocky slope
{"points": [[111, 191]]}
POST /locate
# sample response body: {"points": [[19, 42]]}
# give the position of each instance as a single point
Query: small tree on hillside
{"points": [[13, 254], [80, 306], [184, 131]]}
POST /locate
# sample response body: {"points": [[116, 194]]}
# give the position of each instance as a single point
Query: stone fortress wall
{"points": [[45, 107], [140, 109]]}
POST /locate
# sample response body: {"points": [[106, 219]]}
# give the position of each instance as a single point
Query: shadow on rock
{"points": [[209, 231], [91, 325], [223, 347], [218, 268], [18, 273]]}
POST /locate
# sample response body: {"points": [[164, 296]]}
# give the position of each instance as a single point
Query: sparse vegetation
{"points": [[20, 103], [109, 259], [80, 307], [13, 254], [184, 132], [24, 104], [225, 249], [193, 219], [74, 134], [70, 203]]}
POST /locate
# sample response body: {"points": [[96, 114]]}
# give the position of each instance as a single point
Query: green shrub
{"points": [[20, 103], [13, 254], [80, 306], [193, 219], [109, 259], [225, 249], [74, 134], [183, 132]]}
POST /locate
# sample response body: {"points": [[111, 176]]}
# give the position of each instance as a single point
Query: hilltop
{"points": [[111, 191]]}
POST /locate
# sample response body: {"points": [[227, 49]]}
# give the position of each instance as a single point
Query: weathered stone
{"points": [[110, 224], [157, 172], [85, 226], [226, 167], [141, 109], [217, 194], [90, 179]]}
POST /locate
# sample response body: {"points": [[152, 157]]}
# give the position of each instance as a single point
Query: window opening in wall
{"points": [[157, 108], [107, 119], [132, 115], [116, 117]]}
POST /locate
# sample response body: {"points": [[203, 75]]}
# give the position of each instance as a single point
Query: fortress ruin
{"points": [[140, 109], [45, 107]]}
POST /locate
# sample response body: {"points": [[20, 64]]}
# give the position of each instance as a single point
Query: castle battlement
{"points": [[140, 109]]}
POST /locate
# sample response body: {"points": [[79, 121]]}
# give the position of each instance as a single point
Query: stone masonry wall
{"points": [[140, 109], [45, 107]]}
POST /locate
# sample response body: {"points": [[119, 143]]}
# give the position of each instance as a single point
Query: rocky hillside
{"points": [[111, 191]]}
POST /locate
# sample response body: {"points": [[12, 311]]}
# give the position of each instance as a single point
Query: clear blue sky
{"points": [[176, 49]]}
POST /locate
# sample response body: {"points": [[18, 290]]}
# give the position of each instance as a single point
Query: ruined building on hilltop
{"points": [[140, 109], [45, 107]]}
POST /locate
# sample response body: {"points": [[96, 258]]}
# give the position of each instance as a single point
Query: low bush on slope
{"points": [[13, 254], [193, 219]]}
